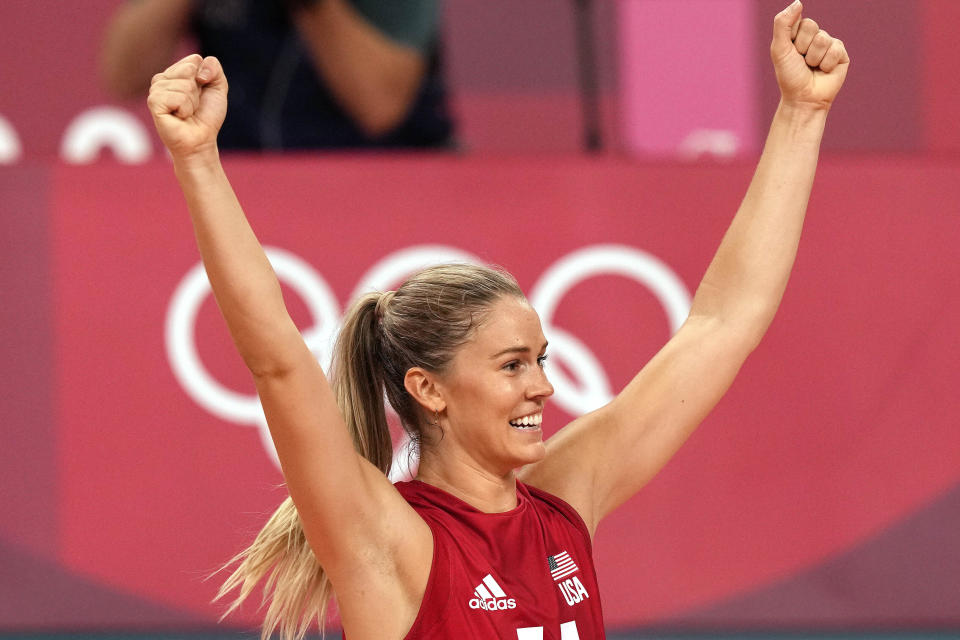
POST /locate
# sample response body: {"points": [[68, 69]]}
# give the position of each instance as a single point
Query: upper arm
{"points": [[358, 525], [374, 75], [413, 23], [601, 459]]}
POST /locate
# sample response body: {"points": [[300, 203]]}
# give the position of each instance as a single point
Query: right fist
{"points": [[188, 102]]}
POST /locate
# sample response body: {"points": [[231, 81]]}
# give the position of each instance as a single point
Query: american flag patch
{"points": [[561, 565]]}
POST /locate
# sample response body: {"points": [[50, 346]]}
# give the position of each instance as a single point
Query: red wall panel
{"points": [[840, 426]]}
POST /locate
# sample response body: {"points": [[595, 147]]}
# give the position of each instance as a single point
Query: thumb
{"points": [[213, 93], [785, 27], [210, 74]]}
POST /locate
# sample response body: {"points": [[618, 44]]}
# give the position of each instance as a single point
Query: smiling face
{"points": [[494, 391]]}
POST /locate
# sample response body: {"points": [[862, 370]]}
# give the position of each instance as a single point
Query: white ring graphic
{"points": [[591, 391], [108, 127], [594, 390], [10, 148], [245, 410]]}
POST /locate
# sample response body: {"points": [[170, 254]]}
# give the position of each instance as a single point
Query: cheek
{"points": [[484, 401]]}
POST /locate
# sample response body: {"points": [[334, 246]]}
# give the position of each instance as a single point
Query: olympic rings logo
{"points": [[590, 391]]}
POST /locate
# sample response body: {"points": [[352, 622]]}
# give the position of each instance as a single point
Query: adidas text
{"points": [[493, 604]]}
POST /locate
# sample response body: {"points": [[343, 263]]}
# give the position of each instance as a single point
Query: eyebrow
{"points": [[516, 350]]}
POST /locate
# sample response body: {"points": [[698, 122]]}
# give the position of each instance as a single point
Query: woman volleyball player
{"points": [[493, 538]]}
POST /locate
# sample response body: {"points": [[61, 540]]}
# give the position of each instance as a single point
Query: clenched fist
{"points": [[810, 64], [188, 102]]}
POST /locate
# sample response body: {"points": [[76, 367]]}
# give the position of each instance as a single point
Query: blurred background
{"points": [[588, 140]]}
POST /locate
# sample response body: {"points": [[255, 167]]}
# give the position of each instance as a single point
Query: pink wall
{"points": [[687, 71]]}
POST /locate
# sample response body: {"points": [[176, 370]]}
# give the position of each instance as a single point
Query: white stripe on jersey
{"points": [[494, 587]]}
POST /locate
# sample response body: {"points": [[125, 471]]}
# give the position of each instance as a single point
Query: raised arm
{"points": [[369, 541], [603, 458]]}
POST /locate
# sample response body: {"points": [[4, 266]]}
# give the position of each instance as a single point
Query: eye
{"points": [[513, 365], [542, 361]]}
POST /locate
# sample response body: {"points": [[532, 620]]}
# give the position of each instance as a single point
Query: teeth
{"points": [[527, 422]]}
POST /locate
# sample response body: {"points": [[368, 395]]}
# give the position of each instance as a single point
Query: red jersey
{"points": [[526, 574]]}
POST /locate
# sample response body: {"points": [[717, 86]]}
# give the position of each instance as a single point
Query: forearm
{"points": [[747, 277], [244, 284], [140, 41], [373, 78]]}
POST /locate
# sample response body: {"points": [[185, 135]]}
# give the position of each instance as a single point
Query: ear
{"points": [[425, 389]]}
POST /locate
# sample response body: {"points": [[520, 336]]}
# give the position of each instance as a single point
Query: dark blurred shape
{"points": [[586, 48], [908, 574], [303, 74], [34, 589]]}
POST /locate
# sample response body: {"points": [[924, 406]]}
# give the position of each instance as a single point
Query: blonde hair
{"points": [[421, 324]]}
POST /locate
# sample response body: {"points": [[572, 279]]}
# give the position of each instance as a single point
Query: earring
{"points": [[436, 417]]}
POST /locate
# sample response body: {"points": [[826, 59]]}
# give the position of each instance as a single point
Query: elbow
{"points": [[276, 357], [378, 118], [750, 327], [271, 366], [385, 102]]}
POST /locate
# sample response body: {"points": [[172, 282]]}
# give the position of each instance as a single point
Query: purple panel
{"points": [[37, 595], [879, 107], [28, 475], [908, 575], [48, 65], [513, 72], [501, 45]]}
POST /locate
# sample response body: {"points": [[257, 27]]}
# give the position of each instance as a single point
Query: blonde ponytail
{"points": [[296, 586], [357, 380]]}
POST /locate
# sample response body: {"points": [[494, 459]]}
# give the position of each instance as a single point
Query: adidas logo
{"points": [[490, 597]]}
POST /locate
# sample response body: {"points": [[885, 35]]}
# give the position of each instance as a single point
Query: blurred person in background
{"points": [[304, 74]]}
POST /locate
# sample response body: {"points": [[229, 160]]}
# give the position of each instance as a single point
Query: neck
{"points": [[479, 488]]}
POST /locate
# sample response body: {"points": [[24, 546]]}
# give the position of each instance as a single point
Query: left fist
{"points": [[811, 65]]}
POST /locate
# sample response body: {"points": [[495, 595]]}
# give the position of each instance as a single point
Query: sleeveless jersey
{"points": [[526, 574]]}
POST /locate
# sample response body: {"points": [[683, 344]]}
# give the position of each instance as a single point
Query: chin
{"points": [[531, 454]]}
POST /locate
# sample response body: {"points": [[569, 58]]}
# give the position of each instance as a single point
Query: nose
{"points": [[540, 386]]}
